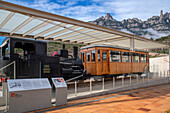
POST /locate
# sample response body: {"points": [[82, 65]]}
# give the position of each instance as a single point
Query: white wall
{"points": [[159, 64]]}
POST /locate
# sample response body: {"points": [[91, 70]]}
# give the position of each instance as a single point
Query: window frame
{"points": [[145, 61], [98, 55], [88, 53], [93, 52], [128, 55], [119, 54], [135, 58]]}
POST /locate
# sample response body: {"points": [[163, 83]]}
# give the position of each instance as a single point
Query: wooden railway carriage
{"points": [[109, 60]]}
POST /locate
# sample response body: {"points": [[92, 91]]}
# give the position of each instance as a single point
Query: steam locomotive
{"points": [[32, 60]]}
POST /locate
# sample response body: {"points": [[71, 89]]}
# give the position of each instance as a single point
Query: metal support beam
{"points": [[62, 31], [37, 27], [21, 25], [132, 45], [45, 15], [50, 29], [105, 39], [82, 34], [76, 32], [7, 19], [91, 37]]}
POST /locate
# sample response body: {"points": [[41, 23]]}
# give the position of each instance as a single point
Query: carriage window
{"points": [[93, 55], [126, 57], [82, 56], [135, 57], [143, 58], [104, 56], [115, 56], [88, 57], [98, 55]]}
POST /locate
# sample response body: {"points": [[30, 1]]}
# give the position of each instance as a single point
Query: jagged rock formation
{"points": [[161, 24]]}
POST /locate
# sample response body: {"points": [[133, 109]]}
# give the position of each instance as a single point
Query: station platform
{"points": [[145, 100]]}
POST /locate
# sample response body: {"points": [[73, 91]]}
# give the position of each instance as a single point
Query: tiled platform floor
{"points": [[146, 100]]}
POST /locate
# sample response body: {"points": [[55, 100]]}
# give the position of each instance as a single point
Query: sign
{"points": [[59, 82], [28, 84], [46, 69]]}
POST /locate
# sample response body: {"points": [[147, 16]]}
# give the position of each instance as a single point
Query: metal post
{"points": [[137, 79], [130, 79], [169, 59], [161, 75], [40, 69], [6, 104], [14, 70], [75, 88], [148, 79], [167, 75], [122, 81], [114, 85], [103, 84], [143, 79], [132, 44], [90, 86]]}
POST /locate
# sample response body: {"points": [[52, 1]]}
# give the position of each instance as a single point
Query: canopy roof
{"points": [[23, 22]]}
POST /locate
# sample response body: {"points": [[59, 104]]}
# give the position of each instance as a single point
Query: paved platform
{"points": [[146, 100]]}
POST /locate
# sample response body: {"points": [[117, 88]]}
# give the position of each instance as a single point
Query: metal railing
{"points": [[79, 89], [12, 63]]}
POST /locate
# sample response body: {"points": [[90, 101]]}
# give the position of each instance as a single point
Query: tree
{"points": [[151, 38]]}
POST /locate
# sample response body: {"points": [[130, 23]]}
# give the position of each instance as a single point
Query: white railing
{"points": [[12, 63], [105, 85]]}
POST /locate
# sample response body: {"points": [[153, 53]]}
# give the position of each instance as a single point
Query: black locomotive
{"points": [[32, 60]]}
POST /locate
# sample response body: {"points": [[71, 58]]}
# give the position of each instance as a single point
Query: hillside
{"points": [[165, 39], [56, 46]]}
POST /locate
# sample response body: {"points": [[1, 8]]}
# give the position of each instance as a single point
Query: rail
{"points": [[114, 84], [146, 67], [10, 65], [74, 78]]}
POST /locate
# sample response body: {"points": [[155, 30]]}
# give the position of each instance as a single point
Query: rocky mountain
{"points": [[154, 27]]}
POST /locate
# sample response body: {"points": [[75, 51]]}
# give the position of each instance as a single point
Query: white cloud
{"points": [[154, 34], [119, 9], [126, 31]]}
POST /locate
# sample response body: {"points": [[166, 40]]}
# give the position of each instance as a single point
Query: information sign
{"points": [[59, 82], [28, 84]]}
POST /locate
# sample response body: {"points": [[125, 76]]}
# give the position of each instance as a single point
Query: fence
{"points": [[132, 81], [3, 90]]}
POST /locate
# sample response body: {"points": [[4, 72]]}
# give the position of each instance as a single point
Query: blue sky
{"points": [[87, 10]]}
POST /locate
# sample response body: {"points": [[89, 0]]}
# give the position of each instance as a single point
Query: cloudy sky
{"points": [[87, 10]]}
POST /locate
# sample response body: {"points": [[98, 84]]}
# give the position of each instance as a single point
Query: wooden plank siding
{"points": [[100, 68]]}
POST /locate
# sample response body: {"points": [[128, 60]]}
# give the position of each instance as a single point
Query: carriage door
{"points": [[105, 64]]}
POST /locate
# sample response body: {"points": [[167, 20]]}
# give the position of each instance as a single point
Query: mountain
{"points": [[154, 27]]}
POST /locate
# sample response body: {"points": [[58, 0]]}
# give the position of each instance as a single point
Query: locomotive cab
{"points": [[31, 60], [30, 57]]}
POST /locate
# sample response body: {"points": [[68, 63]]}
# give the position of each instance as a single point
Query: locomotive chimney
{"points": [[75, 51], [64, 52], [63, 46]]}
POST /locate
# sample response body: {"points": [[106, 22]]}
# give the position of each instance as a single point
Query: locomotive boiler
{"points": [[32, 60]]}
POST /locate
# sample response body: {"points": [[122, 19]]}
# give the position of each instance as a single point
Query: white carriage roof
{"points": [[23, 22]]}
